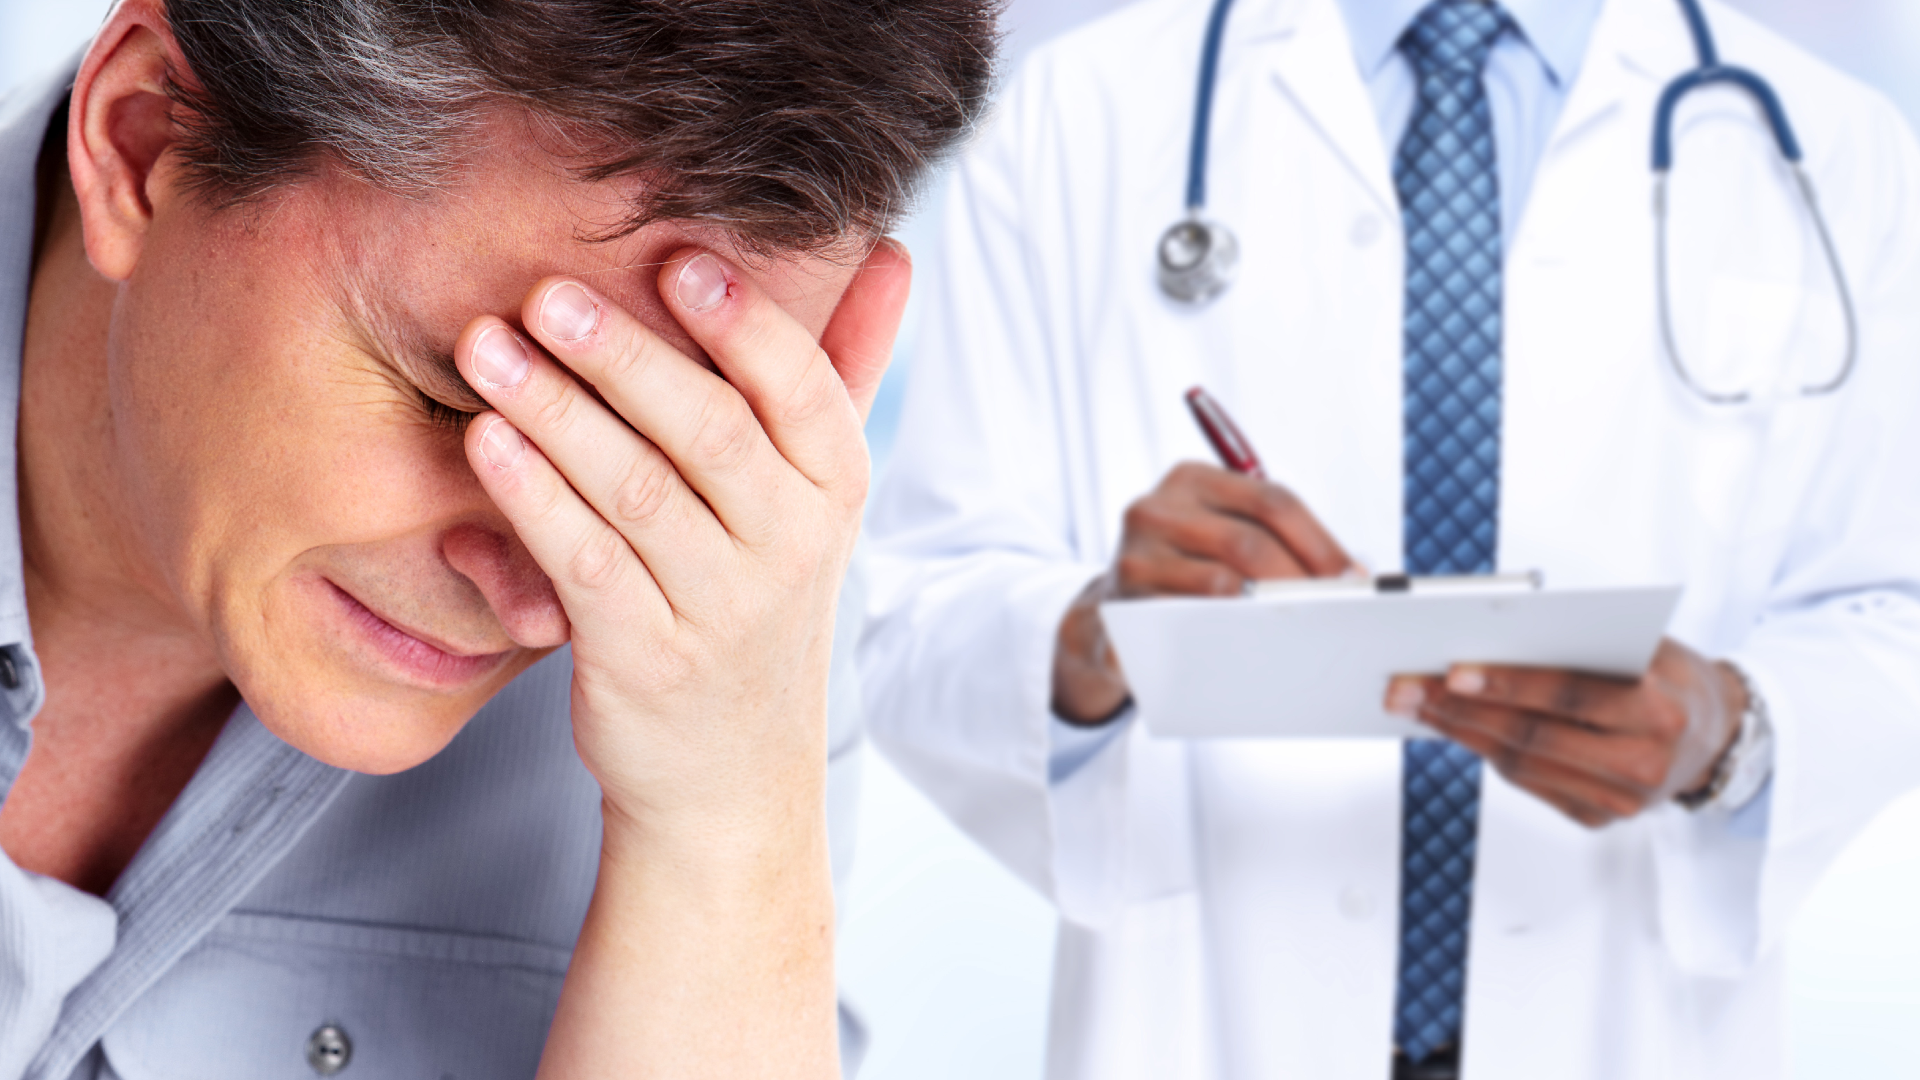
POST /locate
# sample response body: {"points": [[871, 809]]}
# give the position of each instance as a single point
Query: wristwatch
{"points": [[1746, 766]]}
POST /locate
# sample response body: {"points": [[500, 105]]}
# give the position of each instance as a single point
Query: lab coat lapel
{"points": [[1634, 42], [1313, 63]]}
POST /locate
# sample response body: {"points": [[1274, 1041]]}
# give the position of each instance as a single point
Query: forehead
{"points": [[426, 266]]}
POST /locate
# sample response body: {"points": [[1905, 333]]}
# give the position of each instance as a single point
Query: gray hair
{"points": [[791, 124]]}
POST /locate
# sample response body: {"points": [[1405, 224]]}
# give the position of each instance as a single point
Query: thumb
{"points": [[859, 339]]}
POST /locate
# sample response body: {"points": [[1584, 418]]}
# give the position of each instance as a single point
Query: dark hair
{"points": [[789, 123]]}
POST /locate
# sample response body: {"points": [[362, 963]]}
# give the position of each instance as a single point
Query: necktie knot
{"points": [[1454, 37]]}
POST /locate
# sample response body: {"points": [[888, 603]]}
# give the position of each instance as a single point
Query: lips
{"points": [[416, 657]]}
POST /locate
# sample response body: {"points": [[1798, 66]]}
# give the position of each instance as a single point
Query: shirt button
{"points": [[1356, 903], [9, 670], [1366, 230], [329, 1049]]}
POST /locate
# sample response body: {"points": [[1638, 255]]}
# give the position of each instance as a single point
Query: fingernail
{"points": [[1405, 697], [499, 359], [1466, 680], [502, 445], [702, 284], [568, 313]]}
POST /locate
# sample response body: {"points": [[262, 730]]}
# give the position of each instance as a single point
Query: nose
{"points": [[521, 596]]}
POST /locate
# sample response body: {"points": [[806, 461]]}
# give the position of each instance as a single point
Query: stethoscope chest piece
{"points": [[1198, 260]]}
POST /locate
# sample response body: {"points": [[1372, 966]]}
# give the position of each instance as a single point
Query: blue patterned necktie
{"points": [[1450, 199]]}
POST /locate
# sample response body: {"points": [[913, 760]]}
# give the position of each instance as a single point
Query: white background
{"points": [[948, 955]]}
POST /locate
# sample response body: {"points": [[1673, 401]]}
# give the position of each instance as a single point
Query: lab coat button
{"points": [[1366, 230], [329, 1049], [1356, 903]]}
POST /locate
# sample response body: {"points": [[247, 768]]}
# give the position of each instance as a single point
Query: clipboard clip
{"points": [[1406, 584], [1531, 581]]}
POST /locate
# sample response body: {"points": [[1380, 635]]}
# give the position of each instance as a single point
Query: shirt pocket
{"points": [[419, 1004]]}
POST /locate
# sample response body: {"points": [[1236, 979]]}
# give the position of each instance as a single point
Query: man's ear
{"points": [[121, 125]]}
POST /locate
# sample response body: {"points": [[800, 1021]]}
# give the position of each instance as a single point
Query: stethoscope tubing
{"points": [[1711, 72], [1182, 283], [1203, 107]]}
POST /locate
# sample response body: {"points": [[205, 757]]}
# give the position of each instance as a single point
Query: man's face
{"points": [[270, 374]]}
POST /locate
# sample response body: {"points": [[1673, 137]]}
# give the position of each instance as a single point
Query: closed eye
{"points": [[444, 417]]}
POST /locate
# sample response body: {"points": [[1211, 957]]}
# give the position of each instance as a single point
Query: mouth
{"points": [[418, 658]]}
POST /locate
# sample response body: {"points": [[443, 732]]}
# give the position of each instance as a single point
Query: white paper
{"points": [[1317, 666]]}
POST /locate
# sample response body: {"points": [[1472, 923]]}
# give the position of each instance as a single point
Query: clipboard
{"points": [[1312, 659]]}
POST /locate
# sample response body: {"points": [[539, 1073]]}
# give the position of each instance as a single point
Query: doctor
{"points": [[1446, 339]]}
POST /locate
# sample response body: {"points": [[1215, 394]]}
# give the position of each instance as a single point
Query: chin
{"points": [[365, 734], [344, 687], [342, 718]]}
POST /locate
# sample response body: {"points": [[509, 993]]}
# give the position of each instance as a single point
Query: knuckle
{"points": [[1569, 697], [1620, 805], [811, 395], [1645, 772], [1134, 568], [544, 499], [599, 560], [648, 488], [1279, 501], [1148, 518], [1510, 761], [1499, 684], [1137, 517], [1526, 731], [1222, 581], [553, 412], [722, 438], [627, 358], [1244, 548], [1670, 722]]}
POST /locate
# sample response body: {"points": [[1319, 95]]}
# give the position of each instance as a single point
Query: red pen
{"points": [[1235, 451]]}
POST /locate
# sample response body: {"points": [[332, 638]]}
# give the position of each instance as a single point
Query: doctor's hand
{"points": [[1203, 532], [1600, 750]]}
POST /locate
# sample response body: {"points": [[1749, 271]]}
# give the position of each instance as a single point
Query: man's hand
{"points": [[1600, 750], [696, 526], [1203, 532]]}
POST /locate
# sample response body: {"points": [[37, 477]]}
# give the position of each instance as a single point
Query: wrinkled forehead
{"points": [[421, 267]]}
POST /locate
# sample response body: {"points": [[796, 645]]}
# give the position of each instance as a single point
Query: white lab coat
{"points": [[1229, 908]]}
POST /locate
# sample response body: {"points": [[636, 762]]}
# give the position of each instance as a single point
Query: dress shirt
{"points": [[1528, 76], [429, 916]]}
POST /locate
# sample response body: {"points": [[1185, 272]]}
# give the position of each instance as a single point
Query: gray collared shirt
{"points": [[427, 917]]}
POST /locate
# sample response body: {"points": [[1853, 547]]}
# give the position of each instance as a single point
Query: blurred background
{"points": [[948, 956]]}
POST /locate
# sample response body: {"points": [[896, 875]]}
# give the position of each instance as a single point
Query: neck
{"points": [[135, 691], [86, 565]]}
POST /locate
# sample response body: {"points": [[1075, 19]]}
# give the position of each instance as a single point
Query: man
{"points": [[1445, 342], [372, 352]]}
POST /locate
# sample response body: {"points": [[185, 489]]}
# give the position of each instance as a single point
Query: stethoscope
{"points": [[1199, 258]]}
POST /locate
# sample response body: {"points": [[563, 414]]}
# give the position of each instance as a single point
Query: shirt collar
{"points": [[24, 115], [1556, 30]]}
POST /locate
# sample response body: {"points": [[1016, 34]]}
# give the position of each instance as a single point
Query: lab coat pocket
{"points": [[1766, 339], [263, 992]]}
